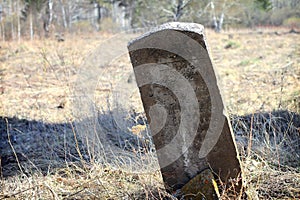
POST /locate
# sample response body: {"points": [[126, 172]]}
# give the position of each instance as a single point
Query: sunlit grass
{"points": [[258, 73]]}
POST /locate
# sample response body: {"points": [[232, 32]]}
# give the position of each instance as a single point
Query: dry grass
{"points": [[43, 157]]}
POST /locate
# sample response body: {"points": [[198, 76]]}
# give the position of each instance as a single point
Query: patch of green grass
{"points": [[244, 63], [247, 62], [232, 45]]}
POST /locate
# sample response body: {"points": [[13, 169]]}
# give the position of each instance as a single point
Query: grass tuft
{"points": [[44, 156]]}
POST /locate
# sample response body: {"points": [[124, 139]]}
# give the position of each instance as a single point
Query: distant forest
{"points": [[31, 19]]}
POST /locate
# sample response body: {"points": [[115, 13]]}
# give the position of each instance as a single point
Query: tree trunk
{"points": [[181, 4], [1, 11], [49, 17], [178, 12], [12, 30], [3, 32], [218, 21], [18, 18], [63, 12], [96, 16], [220, 24], [70, 14], [214, 18], [12, 20], [31, 24], [50, 4], [121, 14]]}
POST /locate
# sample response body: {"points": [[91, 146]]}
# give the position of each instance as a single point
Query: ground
{"points": [[44, 156]]}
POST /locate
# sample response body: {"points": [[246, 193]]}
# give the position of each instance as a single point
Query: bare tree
{"points": [[1, 11], [177, 9], [63, 13], [18, 20], [49, 17], [218, 15], [122, 13]]}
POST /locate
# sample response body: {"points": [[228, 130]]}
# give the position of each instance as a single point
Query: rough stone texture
{"points": [[203, 186], [157, 58]]}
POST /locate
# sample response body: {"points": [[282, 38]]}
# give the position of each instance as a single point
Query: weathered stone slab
{"points": [[183, 105]]}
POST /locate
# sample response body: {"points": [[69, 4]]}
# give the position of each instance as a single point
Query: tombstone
{"points": [[182, 101]]}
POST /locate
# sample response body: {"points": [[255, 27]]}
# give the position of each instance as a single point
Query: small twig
{"points": [[6, 196], [76, 141], [52, 192], [77, 192], [250, 136], [1, 173], [12, 147], [275, 141]]}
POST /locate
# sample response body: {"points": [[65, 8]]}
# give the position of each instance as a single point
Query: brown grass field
{"points": [[43, 155]]}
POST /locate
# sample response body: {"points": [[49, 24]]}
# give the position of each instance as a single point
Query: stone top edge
{"points": [[180, 26]]}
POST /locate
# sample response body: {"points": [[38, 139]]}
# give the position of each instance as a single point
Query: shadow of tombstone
{"points": [[184, 108]]}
